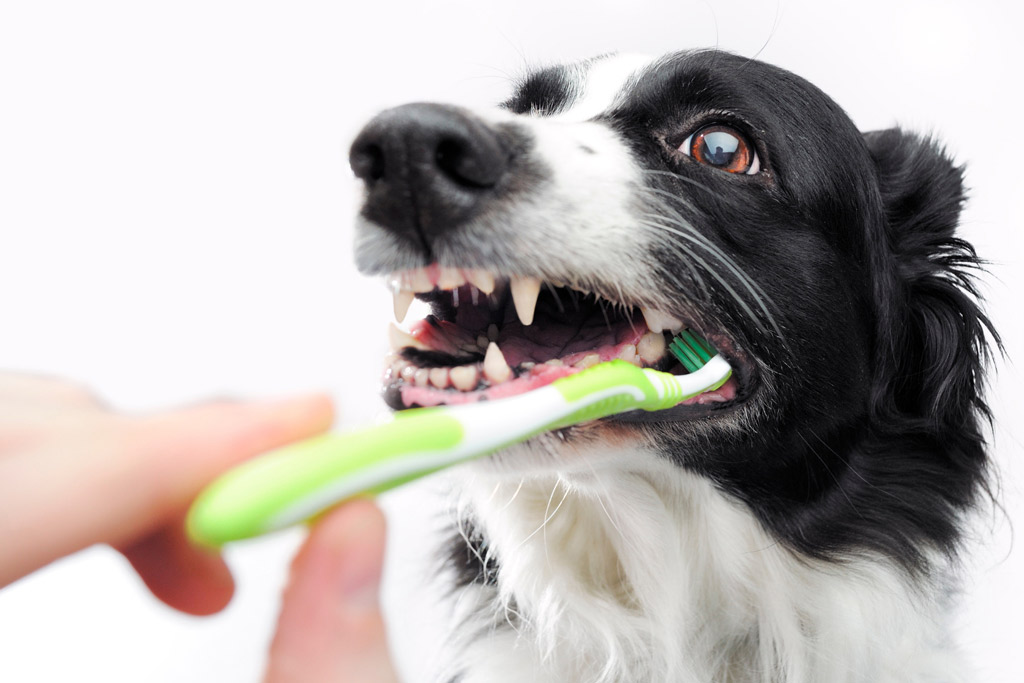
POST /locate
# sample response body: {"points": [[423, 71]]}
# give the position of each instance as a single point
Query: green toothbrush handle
{"points": [[298, 482]]}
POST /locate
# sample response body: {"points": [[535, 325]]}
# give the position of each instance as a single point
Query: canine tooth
{"points": [[496, 369], [403, 299], [450, 278], [399, 339], [481, 279], [658, 321], [464, 377], [439, 377], [587, 361], [525, 291], [408, 372], [492, 333], [651, 347], [421, 377], [418, 280]]}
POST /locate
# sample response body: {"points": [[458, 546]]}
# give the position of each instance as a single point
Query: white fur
{"points": [[604, 81], [641, 572]]}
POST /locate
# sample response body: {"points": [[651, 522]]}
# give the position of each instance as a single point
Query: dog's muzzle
{"points": [[428, 168]]}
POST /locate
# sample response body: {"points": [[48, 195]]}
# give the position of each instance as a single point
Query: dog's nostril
{"points": [[367, 162], [448, 153], [461, 163]]}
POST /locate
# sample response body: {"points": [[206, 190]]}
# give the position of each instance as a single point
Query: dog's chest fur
{"points": [[643, 575]]}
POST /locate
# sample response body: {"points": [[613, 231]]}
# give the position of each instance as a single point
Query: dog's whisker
{"points": [[548, 513], [676, 176], [755, 291], [600, 498], [514, 494], [494, 492], [713, 272]]}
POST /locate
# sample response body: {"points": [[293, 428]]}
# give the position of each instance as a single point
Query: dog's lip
{"points": [[743, 373]]}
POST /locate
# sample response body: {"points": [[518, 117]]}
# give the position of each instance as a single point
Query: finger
{"points": [[331, 628], [190, 579], [171, 457], [118, 479]]}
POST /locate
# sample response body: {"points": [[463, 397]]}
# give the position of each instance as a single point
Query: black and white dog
{"points": [[800, 524]]}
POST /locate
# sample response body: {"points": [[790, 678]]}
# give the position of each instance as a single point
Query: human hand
{"points": [[73, 474]]}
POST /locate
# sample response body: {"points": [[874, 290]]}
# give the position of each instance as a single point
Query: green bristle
{"points": [[692, 350]]}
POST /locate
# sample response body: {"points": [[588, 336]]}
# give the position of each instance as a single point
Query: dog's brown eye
{"points": [[723, 148]]}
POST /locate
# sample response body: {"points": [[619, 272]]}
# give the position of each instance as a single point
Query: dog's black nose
{"points": [[427, 168]]}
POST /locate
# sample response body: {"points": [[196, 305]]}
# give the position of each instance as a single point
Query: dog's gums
{"points": [[490, 337]]}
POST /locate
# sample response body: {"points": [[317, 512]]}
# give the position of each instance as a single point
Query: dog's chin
{"points": [[489, 337]]}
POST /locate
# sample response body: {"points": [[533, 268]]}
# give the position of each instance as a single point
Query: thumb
{"points": [[331, 628]]}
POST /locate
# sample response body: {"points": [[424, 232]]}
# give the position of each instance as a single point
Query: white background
{"points": [[175, 207]]}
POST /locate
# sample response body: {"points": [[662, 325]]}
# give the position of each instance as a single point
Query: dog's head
{"points": [[609, 203]]}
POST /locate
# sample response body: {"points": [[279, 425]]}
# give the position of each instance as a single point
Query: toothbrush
{"points": [[300, 481]]}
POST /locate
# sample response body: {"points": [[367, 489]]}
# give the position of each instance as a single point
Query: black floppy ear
{"points": [[934, 329]]}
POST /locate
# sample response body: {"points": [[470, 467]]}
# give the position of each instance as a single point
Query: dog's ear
{"points": [[933, 347]]}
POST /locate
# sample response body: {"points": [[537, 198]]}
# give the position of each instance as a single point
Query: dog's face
{"points": [[610, 203]]}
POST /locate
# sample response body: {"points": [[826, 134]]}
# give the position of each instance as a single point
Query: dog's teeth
{"points": [[525, 291], [400, 339], [439, 378], [496, 369], [658, 321], [587, 361], [464, 377], [403, 299], [651, 347], [418, 280], [450, 278], [421, 377], [554, 362], [481, 279], [628, 354], [408, 372]]}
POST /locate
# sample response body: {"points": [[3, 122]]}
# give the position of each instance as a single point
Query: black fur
{"points": [[548, 91], [872, 439]]}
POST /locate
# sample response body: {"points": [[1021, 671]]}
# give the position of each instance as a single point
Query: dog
{"points": [[804, 522]]}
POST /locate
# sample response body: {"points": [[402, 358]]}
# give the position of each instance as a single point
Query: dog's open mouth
{"points": [[490, 337]]}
